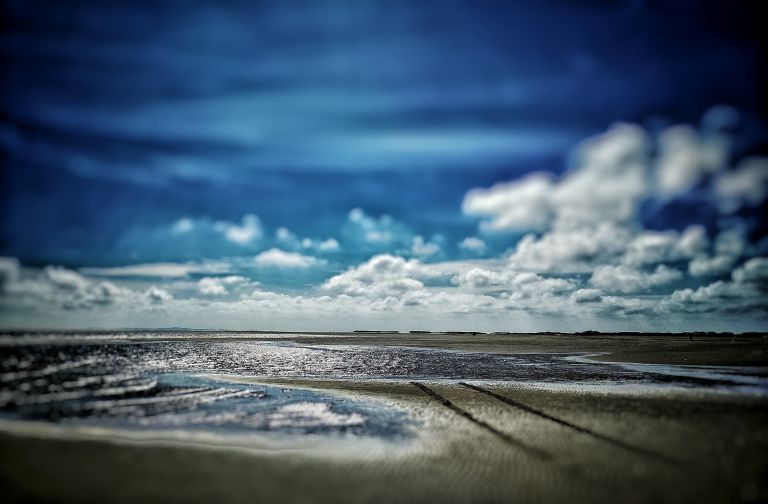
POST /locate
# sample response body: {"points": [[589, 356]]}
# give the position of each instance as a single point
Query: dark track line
{"points": [[493, 430], [602, 437]]}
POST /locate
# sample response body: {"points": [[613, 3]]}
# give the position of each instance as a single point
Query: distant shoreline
{"points": [[362, 332]]}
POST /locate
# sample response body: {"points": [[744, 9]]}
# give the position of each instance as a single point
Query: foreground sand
{"points": [[525, 444]]}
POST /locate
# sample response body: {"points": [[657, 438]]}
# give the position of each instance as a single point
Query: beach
{"points": [[634, 418]]}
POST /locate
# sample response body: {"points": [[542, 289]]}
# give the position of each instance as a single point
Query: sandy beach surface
{"points": [[267, 417]]}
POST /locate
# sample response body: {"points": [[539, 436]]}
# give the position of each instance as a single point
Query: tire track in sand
{"points": [[536, 452], [565, 423]]}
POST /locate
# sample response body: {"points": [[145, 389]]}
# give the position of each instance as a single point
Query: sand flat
{"points": [[468, 440]]}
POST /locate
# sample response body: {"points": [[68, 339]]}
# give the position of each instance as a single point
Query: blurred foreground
{"points": [[193, 416]]}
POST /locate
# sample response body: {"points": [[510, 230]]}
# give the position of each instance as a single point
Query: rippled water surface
{"points": [[166, 384]]}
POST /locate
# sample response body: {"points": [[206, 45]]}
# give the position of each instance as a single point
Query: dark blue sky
{"points": [[117, 116]]}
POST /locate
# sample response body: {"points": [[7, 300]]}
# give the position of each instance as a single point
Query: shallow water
{"points": [[164, 384]]}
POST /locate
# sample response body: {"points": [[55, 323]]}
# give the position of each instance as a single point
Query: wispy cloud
{"points": [[281, 259]]}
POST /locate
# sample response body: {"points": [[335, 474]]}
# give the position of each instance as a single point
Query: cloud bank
{"points": [[583, 252]]}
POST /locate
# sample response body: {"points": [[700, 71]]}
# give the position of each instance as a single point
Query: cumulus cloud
{"points": [[479, 278], [590, 220], [606, 182], [218, 286], [685, 156], [719, 290], [277, 258], [516, 285], [587, 215], [158, 295], [650, 247], [747, 290], [328, 245], [523, 204], [704, 266], [423, 248], [378, 233], [183, 225], [288, 239], [244, 233], [587, 296], [9, 271], [729, 246], [473, 244], [157, 270], [385, 284], [570, 250], [286, 236], [753, 271], [627, 279], [747, 184], [248, 230], [381, 276], [56, 289]]}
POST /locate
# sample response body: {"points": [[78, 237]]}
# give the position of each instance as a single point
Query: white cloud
{"points": [[65, 279], [607, 181], [570, 249], [516, 284], [589, 216], [531, 285], [217, 286], [754, 270], [285, 235], [747, 290], [211, 287], [472, 243], [55, 290], [248, 231], [479, 278], [158, 295], [422, 248], [381, 276], [692, 241], [183, 225], [729, 246], [157, 270], [713, 291], [731, 242], [627, 279], [329, 245], [522, 204], [651, 247], [382, 233], [56, 287], [484, 294], [703, 266], [587, 296], [747, 184], [9, 271], [685, 157], [281, 259]]}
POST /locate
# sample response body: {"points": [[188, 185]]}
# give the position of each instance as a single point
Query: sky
{"points": [[434, 165]]}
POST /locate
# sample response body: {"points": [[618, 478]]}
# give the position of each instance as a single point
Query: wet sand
{"points": [[472, 440]]}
